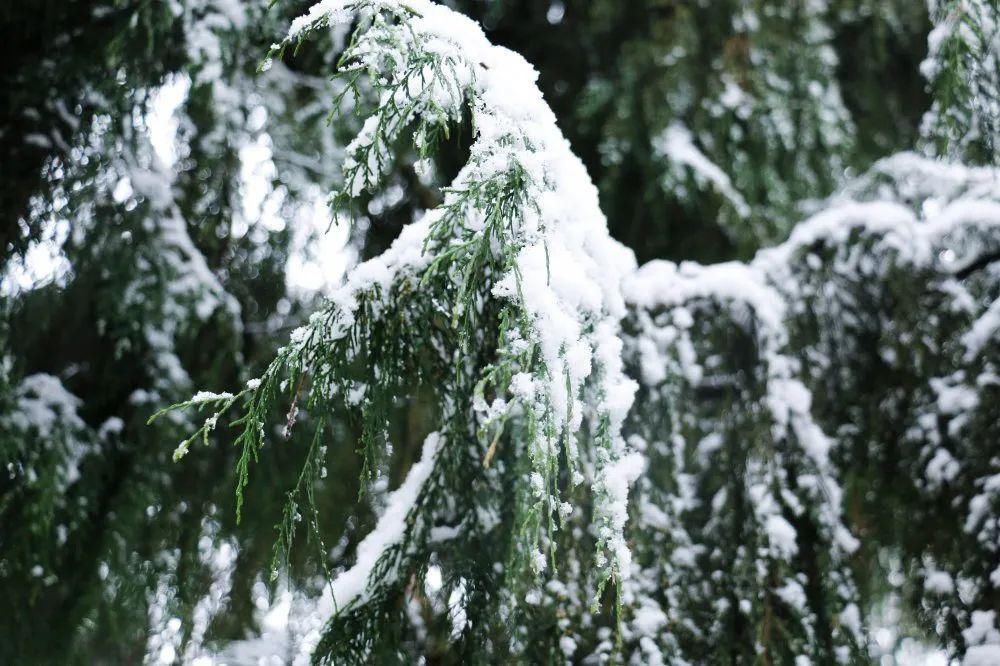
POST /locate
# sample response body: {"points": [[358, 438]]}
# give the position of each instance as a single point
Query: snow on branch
{"points": [[516, 261], [507, 303], [761, 366]]}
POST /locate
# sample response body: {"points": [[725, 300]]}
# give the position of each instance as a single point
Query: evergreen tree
{"points": [[525, 426]]}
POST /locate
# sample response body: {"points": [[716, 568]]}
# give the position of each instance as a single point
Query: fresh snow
{"points": [[349, 587], [677, 144], [390, 528], [572, 267]]}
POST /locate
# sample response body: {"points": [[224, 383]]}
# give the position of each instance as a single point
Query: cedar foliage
{"points": [[526, 427]]}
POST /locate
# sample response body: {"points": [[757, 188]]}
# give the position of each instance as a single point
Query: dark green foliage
{"points": [[170, 283]]}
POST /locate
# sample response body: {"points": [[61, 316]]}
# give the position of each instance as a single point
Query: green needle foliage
{"points": [[472, 399]]}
